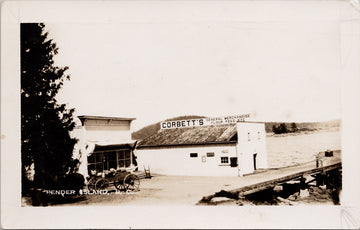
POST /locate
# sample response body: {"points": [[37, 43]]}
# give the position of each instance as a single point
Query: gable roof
{"points": [[215, 134]]}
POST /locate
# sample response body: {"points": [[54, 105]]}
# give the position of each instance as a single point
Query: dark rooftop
{"points": [[106, 118], [192, 136]]}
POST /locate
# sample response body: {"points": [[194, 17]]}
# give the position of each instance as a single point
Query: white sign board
{"points": [[203, 121]]}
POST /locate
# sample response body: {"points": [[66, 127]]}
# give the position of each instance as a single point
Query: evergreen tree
{"points": [[45, 124], [275, 129], [294, 128], [283, 128], [280, 129]]}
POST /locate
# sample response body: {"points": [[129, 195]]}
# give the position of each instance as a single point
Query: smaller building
{"points": [[104, 143], [215, 150]]}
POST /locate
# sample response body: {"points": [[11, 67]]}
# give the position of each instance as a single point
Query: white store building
{"points": [[104, 143], [215, 150]]}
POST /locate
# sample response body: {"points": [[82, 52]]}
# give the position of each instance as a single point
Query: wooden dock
{"points": [[277, 181], [274, 177]]}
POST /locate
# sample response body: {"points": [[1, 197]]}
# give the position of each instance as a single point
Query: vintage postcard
{"points": [[180, 114]]}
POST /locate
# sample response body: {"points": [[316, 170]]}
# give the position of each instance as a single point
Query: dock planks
{"points": [[271, 177], [272, 183]]}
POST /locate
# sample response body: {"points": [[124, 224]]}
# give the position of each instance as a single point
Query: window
{"points": [[96, 162], [111, 160], [123, 158], [249, 139], [210, 154], [193, 155], [259, 137], [224, 160], [105, 160]]}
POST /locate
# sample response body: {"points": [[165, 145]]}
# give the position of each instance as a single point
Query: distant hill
{"points": [[152, 129], [305, 126], [302, 126]]}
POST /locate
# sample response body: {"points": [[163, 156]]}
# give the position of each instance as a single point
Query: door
{"points": [[233, 162], [254, 159]]}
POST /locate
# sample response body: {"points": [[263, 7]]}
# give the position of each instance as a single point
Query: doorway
{"points": [[254, 159], [233, 162]]}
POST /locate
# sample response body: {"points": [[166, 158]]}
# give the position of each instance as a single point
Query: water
{"points": [[290, 149]]}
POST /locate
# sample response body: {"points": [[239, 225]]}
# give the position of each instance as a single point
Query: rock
{"points": [[278, 188], [286, 201], [293, 197], [304, 193], [219, 199], [323, 187], [240, 203]]}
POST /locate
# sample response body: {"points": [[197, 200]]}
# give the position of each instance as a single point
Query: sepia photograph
{"points": [[205, 105]]}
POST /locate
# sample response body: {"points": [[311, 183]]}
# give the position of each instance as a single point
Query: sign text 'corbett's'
{"points": [[203, 121]]}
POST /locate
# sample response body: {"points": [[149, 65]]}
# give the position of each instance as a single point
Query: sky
{"points": [[153, 70]]}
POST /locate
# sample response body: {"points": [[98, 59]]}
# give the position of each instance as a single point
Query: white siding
{"points": [[107, 130], [98, 130], [177, 160], [251, 140], [110, 134]]}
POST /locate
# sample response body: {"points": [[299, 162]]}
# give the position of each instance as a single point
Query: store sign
{"points": [[227, 119], [204, 121]]}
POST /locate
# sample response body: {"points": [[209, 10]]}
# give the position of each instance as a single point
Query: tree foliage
{"points": [[280, 129], [294, 127], [45, 124]]}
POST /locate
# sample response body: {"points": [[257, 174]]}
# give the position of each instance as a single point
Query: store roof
{"points": [[92, 146], [216, 134], [105, 118], [84, 117]]}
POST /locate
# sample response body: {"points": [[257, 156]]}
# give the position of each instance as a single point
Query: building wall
{"points": [[78, 153], [99, 131], [177, 160], [251, 140], [102, 130]]}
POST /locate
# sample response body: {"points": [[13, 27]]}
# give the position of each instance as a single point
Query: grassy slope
{"points": [[152, 129]]}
